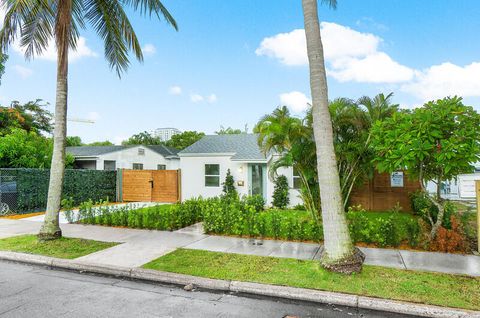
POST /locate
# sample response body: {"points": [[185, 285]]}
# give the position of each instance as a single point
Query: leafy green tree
{"points": [[27, 149], [435, 142], [3, 60], [101, 143], [231, 131], [37, 22], [184, 139], [23, 149], [281, 198], [31, 116], [73, 141], [143, 138], [229, 186]]}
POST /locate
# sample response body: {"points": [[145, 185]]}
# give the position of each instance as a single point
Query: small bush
{"points": [[281, 197], [257, 201], [388, 230], [450, 240]]}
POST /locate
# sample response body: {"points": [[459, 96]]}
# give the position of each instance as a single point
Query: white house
{"points": [[461, 188], [156, 157], [204, 167]]}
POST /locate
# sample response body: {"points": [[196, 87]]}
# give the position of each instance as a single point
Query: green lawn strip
{"points": [[414, 286], [62, 248]]}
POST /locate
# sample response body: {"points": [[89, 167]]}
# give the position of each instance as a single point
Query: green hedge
{"points": [[159, 217], [243, 219], [80, 185]]}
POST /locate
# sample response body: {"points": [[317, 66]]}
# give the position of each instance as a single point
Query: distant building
{"points": [[138, 157], [165, 134]]}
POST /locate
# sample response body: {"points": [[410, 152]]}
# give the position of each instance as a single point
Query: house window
{"points": [[137, 166], [161, 167], [141, 152], [297, 181], [212, 175], [109, 165]]}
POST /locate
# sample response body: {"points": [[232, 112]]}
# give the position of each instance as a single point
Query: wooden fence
{"points": [[150, 186], [384, 191]]}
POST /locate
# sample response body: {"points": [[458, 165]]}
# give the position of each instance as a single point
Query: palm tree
{"points": [[37, 22], [338, 253], [291, 139]]}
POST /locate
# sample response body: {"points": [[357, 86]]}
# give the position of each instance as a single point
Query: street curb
{"points": [[291, 293]]}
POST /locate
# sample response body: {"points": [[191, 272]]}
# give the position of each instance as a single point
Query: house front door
{"points": [[257, 176]]}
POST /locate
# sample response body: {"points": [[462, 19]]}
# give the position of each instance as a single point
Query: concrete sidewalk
{"points": [[142, 246]]}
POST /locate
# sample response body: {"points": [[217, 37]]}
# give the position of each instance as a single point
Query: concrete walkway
{"points": [[142, 246]]}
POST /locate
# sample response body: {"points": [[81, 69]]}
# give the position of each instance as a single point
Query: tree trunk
{"points": [[338, 253], [50, 229]]}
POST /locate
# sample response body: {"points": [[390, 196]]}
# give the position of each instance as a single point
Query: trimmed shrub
{"points": [[229, 189], [280, 196]]}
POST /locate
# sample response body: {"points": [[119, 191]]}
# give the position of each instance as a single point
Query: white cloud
{"points": [[212, 98], [289, 48], [374, 68], [50, 53], [446, 79], [195, 98], [149, 49], [350, 55], [296, 101], [175, 90], [22, 71]]}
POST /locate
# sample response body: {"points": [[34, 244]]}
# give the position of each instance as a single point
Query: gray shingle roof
{"points": [[243, 146], [91, 151]]}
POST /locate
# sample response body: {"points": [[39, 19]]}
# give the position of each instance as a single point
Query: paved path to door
{"points": [[142, 246]]}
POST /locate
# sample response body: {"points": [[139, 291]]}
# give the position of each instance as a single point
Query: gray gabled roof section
{"points": [[93, 151], [243, 147]]}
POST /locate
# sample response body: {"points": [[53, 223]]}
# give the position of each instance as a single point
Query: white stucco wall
{"points": [[124, 159], [193, 178], [294, 194]]}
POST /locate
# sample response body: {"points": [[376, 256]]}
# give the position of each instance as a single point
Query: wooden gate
{"points": [[150, 185]]}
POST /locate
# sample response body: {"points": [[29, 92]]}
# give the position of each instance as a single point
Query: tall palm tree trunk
{"points": [[50, 229], [338, 253]]}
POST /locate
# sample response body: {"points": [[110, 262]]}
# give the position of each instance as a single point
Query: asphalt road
{"points": [[30, 291]]}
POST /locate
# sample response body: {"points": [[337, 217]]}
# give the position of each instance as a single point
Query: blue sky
{"points": [[233, 61]]}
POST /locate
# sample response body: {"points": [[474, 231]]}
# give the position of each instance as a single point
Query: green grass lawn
{"points": [[62, 248], [429, 288]]}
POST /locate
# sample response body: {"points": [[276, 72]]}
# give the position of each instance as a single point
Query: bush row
{"points": [[159, 217], [231, 217], [246, 217]]}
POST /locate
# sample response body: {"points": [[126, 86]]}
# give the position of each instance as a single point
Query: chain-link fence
{"points": [[8, 194]]}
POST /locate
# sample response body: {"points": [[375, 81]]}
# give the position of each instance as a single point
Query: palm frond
{"points": [[331, 3], [152, 7], [37, 29]]}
